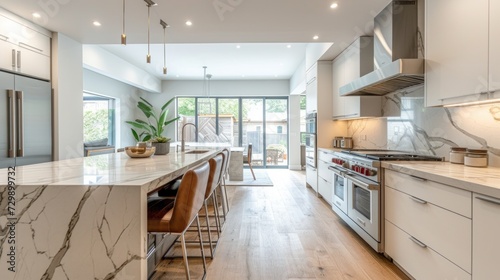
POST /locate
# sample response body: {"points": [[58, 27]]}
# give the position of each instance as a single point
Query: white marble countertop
{"points": [[480, 180], [330, 150], [109, 169]]}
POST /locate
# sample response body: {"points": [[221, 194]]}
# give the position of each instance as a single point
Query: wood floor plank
{"points": [[284, 232]]}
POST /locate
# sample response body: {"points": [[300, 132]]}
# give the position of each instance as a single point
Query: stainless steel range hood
{"points": [[396, 61]]}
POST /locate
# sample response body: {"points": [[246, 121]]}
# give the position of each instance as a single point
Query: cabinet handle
{"points": [[491, 200], [19, 60], [361, 221], [20, 123], [418, 200], [418, 242], [30, 47], [12, 123], [5, 38], [311, 81], [418, 178], [13, 59]]}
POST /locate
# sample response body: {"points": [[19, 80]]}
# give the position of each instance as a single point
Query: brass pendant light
{"points": [[124, 36], [149, 3], [165, 25]]}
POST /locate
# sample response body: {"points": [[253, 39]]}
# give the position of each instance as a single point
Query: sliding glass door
{"points": [[239, 121]]}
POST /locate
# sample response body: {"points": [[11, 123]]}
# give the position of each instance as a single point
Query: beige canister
{"points": [[476, 158]]}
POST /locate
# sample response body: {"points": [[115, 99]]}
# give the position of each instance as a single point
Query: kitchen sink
{"points": [[197, 151]]}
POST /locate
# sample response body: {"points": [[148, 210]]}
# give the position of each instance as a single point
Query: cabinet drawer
{"points": [[325, 156], [323, 171], [453, 199], [325, 189], [446, 232], [420, 262]]}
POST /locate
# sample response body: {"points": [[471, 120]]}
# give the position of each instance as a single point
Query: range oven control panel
{"points": [[363, 170]]}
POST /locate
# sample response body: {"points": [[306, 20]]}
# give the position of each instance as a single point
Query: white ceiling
{"points": [[262, 28]]}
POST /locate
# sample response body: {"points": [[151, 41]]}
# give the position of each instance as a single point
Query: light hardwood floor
{"points": [[284, 232]]}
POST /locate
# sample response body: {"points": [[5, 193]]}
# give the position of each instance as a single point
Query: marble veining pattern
{"points": [[430, 131], [86, 218]]}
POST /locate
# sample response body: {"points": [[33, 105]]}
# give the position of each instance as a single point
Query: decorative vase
{"points": [[161, 148]]}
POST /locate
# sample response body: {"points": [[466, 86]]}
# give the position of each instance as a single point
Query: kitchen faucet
{"points": [[183, 142]]}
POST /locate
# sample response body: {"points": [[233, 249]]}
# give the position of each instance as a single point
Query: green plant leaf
{"points": [[172, 120], [146, 138], [145, 101], [168, 103], [136, 136], [147, 110], [139, 125]]}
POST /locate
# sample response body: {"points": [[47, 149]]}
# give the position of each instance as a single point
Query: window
{"points": [[98, 118]]}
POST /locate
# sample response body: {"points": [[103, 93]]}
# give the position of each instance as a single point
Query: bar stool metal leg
{"points": [[201, 248]]}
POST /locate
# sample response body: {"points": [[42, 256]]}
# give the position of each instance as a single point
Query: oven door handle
{"points": [[364, 185], [338, 171]]}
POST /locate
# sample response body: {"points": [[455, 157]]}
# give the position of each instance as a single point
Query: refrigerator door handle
{"points": [[19, 60], [20, 124], [12, 124]]}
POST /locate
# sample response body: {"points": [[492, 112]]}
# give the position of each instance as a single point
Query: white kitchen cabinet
{"points": [[24, 50], [354, 62], [312, 96], [312, 177], [486, 237], [456, 50], [325, 185], [428, 227], [417, 259]]}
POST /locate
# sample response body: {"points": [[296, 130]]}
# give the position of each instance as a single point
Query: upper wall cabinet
{"points": [[24, 50], [354, 62], [312, 89], [456, 50]]}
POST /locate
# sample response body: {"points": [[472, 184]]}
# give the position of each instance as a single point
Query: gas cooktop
{"points": [[390, 155]]}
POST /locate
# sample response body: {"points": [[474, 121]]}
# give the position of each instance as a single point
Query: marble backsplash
{"points": [[429, 131]]}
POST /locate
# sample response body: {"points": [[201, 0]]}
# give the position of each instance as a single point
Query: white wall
{"points": [[67, 81], [126, 97], [101, 61], [228, 88], [294, 133], [298, 80]]}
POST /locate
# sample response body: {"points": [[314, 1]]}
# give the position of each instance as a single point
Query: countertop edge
{"points": [[471, 183]]}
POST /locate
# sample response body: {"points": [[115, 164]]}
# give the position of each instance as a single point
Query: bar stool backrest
{"points": [[227, 155], [215, 172], [190, 197]]}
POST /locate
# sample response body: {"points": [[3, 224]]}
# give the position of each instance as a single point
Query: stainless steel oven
{"points": [[339, 180], [363, 204], [311, 123]]}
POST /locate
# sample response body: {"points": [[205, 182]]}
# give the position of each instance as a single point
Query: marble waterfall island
{"points": [[84, 218]]}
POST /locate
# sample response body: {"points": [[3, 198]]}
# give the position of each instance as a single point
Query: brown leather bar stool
{"points": [[216, 165], [187, 204], [225, 201]]}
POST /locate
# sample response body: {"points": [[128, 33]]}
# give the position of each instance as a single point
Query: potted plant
{"points": [[152, 128]]}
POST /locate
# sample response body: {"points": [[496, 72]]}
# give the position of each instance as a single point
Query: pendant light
{"points": [[165, 25], [124, 36], [149, 3], [205, 101]]}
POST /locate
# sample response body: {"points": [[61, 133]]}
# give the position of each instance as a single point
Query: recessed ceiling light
{"points": [[177, 76], [96, 23], [275, 76], [288, 46], [189, 23], [316, 37], [36, 15], [238, 46], [243, 76], [334, 5]]}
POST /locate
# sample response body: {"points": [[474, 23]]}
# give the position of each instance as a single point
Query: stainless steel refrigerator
{"points": [[25, 120]]}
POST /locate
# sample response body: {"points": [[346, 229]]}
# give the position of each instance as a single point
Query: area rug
{"points": [[262, 179]]}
